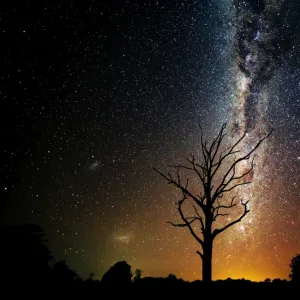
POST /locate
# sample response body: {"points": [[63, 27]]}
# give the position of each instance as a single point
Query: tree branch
{"points": [[200, 254], [188, 224], [171, 180], [199, 218], [182, 167], [216, 209], [246, 210], [225, 206], [233, 177], [224, 183], [217, 143], [234, 186], [204, 149], [182, 224], [185, 193], [224, 155], [192, 162], [219, 215]]}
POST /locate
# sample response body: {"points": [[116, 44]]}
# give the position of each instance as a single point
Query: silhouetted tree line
{"points": [[26, 261]]}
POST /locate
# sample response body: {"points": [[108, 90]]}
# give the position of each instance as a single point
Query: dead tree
{"points": [[219, 172]]}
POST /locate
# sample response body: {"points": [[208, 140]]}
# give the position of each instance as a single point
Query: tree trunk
{"points": [[207, 261]]}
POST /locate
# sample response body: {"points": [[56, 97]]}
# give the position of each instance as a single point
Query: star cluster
{"points": [[94, 95]]}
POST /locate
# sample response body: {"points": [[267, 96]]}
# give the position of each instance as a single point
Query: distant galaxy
{"points": [[94, 166]]}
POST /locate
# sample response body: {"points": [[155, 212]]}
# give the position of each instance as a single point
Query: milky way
{"points": [[96, 94], [264, 31], [262, 36]]}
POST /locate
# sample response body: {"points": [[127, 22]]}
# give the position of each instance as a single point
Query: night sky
{"points": [[94, 95]]}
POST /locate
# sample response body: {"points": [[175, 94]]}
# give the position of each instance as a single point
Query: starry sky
{"points": [[94, 95]]}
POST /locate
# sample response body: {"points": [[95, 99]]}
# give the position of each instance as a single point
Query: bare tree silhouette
{"points": [[219, 172]]}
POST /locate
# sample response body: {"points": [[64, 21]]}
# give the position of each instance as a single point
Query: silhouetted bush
{"points": [[118, 275], [25, 257], [295, 269], [62, 275], [172, 277], [137, 275]]}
